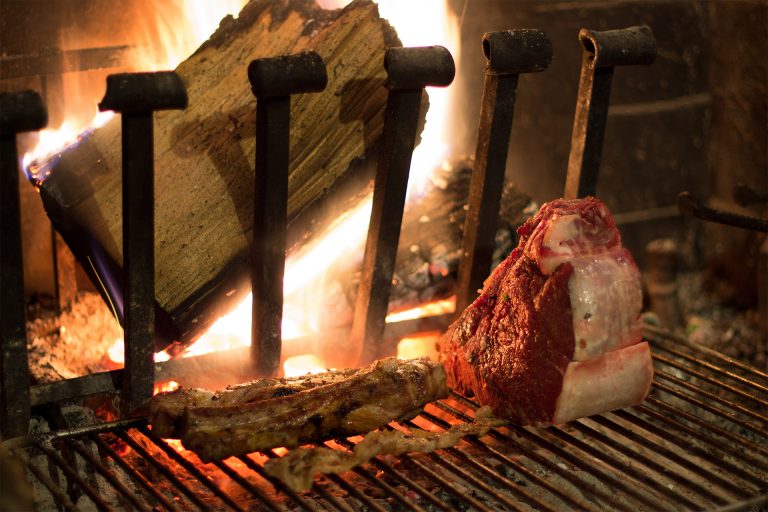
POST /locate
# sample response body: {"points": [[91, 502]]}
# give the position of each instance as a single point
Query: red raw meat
{"points": [[555, 333]]}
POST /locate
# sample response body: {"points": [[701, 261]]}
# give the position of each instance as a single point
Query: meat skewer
{"points": [[555, 334], [388, 390]]}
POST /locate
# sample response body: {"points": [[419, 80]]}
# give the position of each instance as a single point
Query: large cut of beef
{"points": [[555, 332]]}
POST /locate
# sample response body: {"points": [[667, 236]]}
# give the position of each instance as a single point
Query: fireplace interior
{"points": [[669, 129]]}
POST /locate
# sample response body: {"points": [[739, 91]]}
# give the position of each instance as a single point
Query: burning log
{"points": [[205, 155]]}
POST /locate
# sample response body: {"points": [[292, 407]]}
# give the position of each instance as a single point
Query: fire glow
{"points": [[174, 32]]}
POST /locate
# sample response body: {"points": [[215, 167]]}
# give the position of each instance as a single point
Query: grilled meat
{"points": [[166, 410], [555, 333], [371, 397]]}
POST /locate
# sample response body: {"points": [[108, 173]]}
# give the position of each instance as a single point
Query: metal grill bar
{"points": [[275, 482], [710, 380], [569, 476], [570, 500], [698, 421], [190, 468], [106, 473], [46, 480], [74, 476], [234, 475], [681, 442], [394, 474], [661, 337], [652, 465], [167, 473], [485, 471], [677, 450], [135, 475], [712, 396]]}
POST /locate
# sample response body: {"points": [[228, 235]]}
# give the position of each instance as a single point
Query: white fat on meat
{"points": [[606, 300], [616, 379], [612, 366]]}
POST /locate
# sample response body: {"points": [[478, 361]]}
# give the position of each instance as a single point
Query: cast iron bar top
{"points": [[21, 112], [622, 47], [144, 92], [418, 67], [517, 51], [287, 74]]}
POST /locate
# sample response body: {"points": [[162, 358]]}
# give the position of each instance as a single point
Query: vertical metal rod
{"points": [[13, 334], [273, 81], [19, 112], [401, 120], [138, 259], [602, 51], [270, 210], [588, 129], [136, 96], [409, 71], [509, 54]]}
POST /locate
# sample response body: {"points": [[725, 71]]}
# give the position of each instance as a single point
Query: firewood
{"points": [[204, 155]]}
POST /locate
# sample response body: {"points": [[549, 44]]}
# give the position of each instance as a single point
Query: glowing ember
{"points": [[166, 385], [419, 346], [301, 365], [438, 307]]}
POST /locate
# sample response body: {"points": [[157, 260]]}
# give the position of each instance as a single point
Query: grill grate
{"points": [[698, 442]]}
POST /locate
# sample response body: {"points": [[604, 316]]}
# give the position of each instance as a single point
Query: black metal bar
{"points": [[568, 454], [742, 380], [276, 482], [57, 492], [386, 468], [355, 493], [92, 493], [245, 484], [690, 206], [166, 472], [602, 51], [545, 462], [652, 465], [714, 381], [473, 502], [19, 112], [508, 53], [713, 397], [664, 335], [191, 468], [409, 71], [486, 472], [708, 455], [273, 81], [391, 491], [108, 475], [134, 475], [730, 416], [572, 502], [707, 425], [55, 61], [136, 96]]}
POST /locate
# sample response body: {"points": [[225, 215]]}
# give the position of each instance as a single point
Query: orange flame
{"points": [[177, 29]]}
